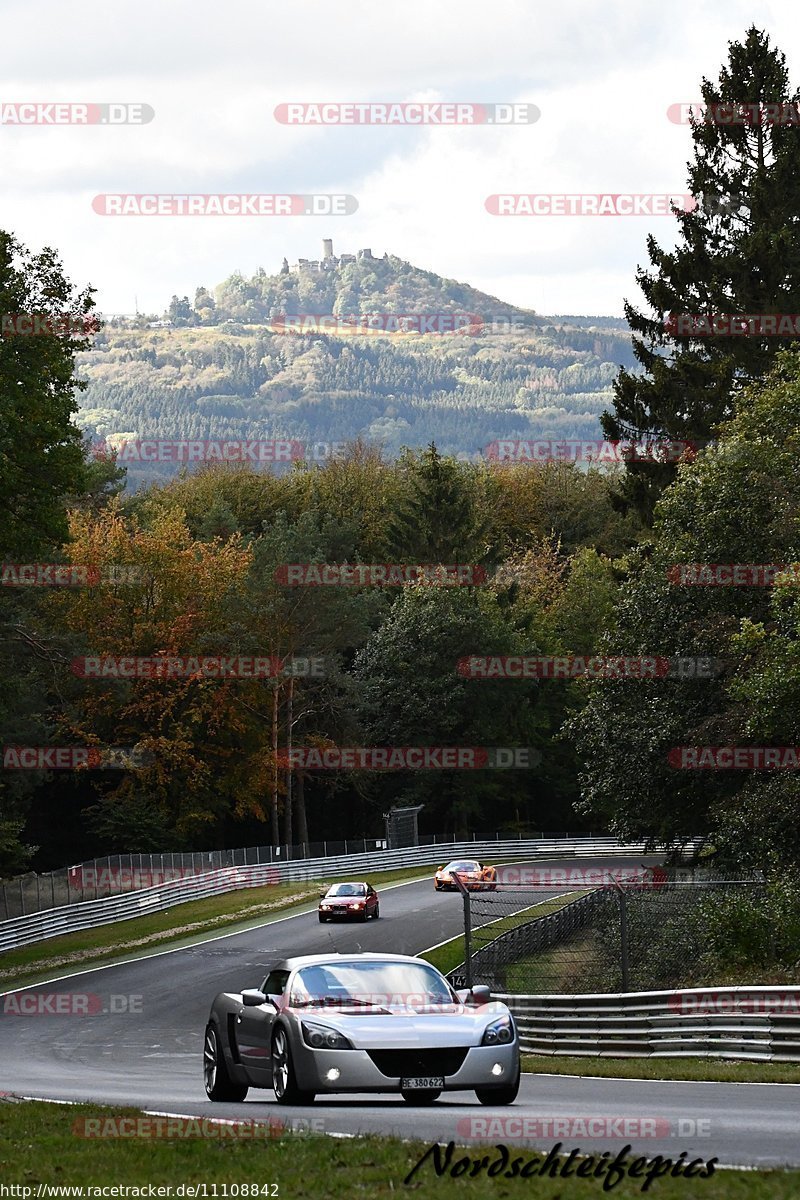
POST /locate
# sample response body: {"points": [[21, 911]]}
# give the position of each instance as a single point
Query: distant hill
{"points": [[340, 287], [223, 368]]}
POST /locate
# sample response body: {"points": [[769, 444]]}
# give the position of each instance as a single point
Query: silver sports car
{"points": [[360, 1023]]}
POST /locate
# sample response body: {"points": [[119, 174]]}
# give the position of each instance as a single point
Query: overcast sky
{"points": [[602, 76]]}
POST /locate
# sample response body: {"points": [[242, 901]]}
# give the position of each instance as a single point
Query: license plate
{"points": [[423, 1083]]}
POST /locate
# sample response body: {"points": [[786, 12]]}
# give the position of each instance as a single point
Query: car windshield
{"points": [[379, 983], [462, 866], [347, 889]]}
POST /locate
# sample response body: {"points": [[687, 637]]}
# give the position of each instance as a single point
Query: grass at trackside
{"points": [[451, 954], [38, 1145], [708, 1069], [183, 922], [564, 969]]}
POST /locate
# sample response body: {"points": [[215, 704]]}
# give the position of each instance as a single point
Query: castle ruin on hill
{"points": [[328, 262]]}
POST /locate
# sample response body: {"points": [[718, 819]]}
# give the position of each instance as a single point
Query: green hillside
{"points": [[225, 369]]}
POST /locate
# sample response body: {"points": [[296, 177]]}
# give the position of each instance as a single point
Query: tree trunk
{"points": [[287, 816], [276, 835], [302, 822]]}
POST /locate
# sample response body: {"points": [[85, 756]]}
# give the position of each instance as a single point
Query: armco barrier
{"points": [[35, 927], [761, 1024], [114, 874]]}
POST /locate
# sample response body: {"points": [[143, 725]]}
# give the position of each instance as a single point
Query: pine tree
{"points": [[738, 253], [436, 521]]}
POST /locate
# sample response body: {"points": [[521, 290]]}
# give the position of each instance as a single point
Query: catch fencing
{"points": [[118, 873], [534, 930], [759, 1024], [23, 930], [488, 960]]}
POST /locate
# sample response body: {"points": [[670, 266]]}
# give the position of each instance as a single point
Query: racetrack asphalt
{"points": [[140, 1044]]}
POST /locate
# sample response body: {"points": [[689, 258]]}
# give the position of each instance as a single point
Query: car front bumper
{"points": [[347, 914], [358, 1073]]}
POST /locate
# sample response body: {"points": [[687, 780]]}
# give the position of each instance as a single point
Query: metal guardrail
{"points": [[760, 1024], [21, 931], [111, 875]]}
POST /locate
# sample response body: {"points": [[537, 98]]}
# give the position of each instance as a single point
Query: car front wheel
{"points": [[284, 1081], [219, 1085], [502, 1095], [377, 911]]}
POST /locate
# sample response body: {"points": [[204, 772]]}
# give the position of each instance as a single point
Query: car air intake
{"points": [[403, 1063]]}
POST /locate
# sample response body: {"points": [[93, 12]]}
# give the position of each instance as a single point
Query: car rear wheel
{"points": [[284, 1081], [219, 1085], [502, 1095], [420, 1096]]}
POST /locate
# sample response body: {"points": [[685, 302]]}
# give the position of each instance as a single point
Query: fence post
{"points": [[467, 930], [623, 936], [468, 939]]}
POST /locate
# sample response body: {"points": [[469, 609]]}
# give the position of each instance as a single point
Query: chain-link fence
{"points": [[628, 929], [118, 873]]}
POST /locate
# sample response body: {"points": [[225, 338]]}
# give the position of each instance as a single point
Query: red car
{"points": [[353, 901]]}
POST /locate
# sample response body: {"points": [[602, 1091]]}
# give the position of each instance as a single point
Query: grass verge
{"points": [[570, 967], [450, 954], [708, 1069], [40, 1146], [182, 922]]}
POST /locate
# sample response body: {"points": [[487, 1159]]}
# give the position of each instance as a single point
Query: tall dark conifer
{"points": [[738, 253], [436, 521]]}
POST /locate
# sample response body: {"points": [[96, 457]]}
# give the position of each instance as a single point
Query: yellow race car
{"points": [[474, 876]]}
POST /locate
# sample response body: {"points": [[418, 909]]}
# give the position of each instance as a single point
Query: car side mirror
{"points": [[253, 997], [481, 994], [323, 893]]}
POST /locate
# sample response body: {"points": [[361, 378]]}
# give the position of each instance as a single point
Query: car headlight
{"points": [[325, 906], [499, 1033], [358, 905], [321, 1037]]}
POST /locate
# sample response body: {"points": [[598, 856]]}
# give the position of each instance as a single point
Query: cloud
{"points": [[603, 79]]}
